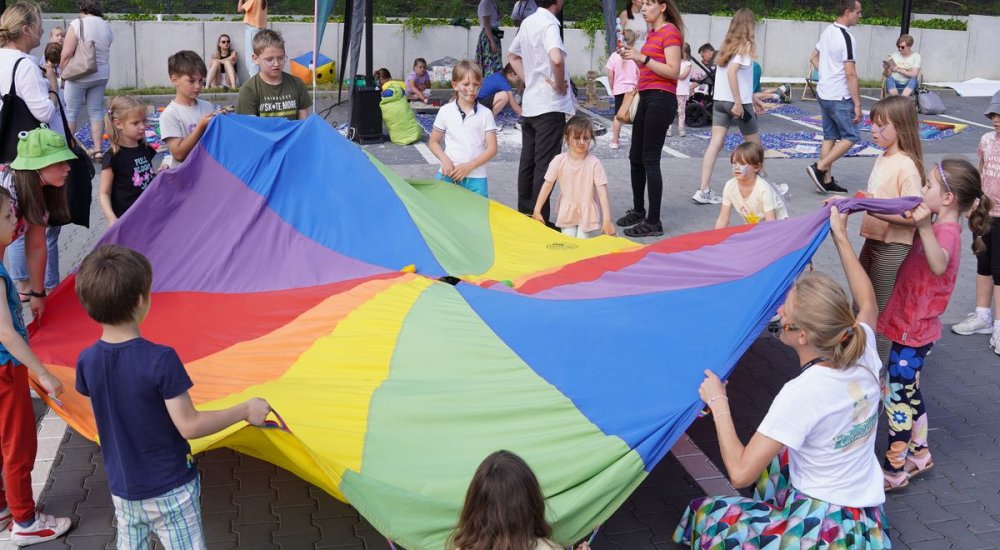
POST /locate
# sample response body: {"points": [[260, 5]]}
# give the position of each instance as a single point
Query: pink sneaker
{"points": [[45, 528]]}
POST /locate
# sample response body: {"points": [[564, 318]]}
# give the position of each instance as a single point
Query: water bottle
{"points": [[620, 34]]}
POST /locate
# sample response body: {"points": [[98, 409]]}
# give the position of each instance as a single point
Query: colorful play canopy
{"points": [[291, 265]]}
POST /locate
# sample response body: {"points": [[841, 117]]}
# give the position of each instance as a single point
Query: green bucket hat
{"points": [[39, 148]]}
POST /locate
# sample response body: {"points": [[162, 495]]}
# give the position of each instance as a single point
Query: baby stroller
{"points": [[699, 107]]}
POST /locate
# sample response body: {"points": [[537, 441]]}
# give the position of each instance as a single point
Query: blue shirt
{"points": [[492, 84], [144, 454], [16, 315]]}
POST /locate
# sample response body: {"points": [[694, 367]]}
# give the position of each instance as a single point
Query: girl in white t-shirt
{"points": [[683, 91], [733, 97], [750, 195], [504, 509], [816, 446], [583, 205], [468, 131]]}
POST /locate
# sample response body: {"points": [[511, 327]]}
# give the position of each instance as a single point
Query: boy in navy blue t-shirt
{"points": [[139, 393], [497, 91]]}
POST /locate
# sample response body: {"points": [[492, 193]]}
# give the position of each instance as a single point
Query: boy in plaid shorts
{"points": [[139, 393]]}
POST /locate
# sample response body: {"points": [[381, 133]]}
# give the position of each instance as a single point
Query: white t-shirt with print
{"points": [[178, 121], [827, 418], [762, 198], [465, 136], [744, 78]]}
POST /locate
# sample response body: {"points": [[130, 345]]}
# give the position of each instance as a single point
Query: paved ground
{"points": [[251, 504]]}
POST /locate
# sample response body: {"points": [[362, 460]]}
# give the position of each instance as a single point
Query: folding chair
{"points": [[812, 78]]}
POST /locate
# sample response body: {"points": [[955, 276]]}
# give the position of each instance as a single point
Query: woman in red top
{"points": [[659, 65]]}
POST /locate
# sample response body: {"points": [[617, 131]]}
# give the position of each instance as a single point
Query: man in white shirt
{"points": [[538, 56], [839, 97]]}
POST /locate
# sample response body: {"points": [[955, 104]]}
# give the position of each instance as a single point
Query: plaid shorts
{"points": [[175, 517]]}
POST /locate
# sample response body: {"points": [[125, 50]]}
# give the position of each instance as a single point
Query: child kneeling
{"points": [[753, 198], [139, 393]]}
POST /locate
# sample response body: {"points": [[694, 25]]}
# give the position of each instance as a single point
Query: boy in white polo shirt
{"points": [[468, 130]]}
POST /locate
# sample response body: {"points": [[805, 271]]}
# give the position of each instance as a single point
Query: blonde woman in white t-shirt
{"points": [[821, 483]]}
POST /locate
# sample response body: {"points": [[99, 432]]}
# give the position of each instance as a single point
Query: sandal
{"points": [[894, 481], [915, 466], [631, 217], [645, 230]]}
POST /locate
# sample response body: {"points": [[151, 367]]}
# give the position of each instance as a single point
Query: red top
{"points": [[656, 42], [912, 315]]}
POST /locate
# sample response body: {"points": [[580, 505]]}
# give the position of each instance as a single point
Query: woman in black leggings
{"points": [[659, 65]]}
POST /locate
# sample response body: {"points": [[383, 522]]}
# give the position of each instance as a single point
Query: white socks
{"points": [[986, 314]]}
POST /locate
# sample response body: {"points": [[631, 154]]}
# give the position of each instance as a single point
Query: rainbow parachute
{"points": [[290, 265]]}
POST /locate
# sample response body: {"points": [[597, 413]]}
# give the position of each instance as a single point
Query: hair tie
{"points": [[848, 333]]}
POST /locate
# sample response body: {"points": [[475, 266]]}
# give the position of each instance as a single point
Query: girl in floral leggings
{"points": [[910, 319]]}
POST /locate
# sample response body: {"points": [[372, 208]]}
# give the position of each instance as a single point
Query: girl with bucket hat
{"points": [[36, 180]]}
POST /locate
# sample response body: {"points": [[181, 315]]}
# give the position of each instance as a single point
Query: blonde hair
{"points": [[15, 18], [900, 112], [629, 36], [823, 311], [740, 39], [466, 68], [122, 106]]}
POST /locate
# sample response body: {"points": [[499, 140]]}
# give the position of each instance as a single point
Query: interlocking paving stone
{"points": [[257, 536], [255, 509], [296, 521], [295, 542], [292, 493], [961, 537], [95, 521], [979, 521], [928, 509], [218, 527]]}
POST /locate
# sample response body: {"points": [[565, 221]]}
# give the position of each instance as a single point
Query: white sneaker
{"points": [[706, 197], [995, 341], [670, 131], [613, 145], [45, 528], [682, 132], [973, 324]]}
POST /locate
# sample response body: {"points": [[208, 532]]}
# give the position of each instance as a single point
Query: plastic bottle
{"points": [[620, 34]]}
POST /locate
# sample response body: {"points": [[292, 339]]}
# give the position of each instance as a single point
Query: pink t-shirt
{"points": [[578, 181], [625, 74], [989, 156], [912, 315]]}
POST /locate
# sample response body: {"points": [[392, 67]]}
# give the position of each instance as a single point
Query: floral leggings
{"points": [[904, 405]]}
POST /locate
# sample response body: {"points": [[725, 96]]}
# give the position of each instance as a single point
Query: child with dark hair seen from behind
{"points": [[504, 509], [139, 392]]}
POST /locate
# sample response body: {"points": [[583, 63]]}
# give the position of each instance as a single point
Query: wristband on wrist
{"points": [[34, 294], [646, 61]]}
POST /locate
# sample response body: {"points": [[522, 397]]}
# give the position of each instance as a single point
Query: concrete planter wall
{"points": [[141, 48]]}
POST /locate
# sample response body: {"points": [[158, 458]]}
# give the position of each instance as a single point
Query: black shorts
{"points": [[988, 263], [486, 101], [618, 102]]}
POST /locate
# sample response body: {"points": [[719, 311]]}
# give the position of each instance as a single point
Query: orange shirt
{"points": [[256, 13], [892, 177]]}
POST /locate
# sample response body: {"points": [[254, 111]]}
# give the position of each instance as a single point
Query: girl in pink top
{"points": [[911, 321], [583, 205], [624, 77]]}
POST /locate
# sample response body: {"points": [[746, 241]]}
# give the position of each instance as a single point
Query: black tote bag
{"points": [[15, 117], [79, 183]]}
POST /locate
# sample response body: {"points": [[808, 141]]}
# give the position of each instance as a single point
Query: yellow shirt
{"points": [[892, 177], [256, 13]]}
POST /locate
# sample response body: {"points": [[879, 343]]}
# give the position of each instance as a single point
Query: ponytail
{"points": [[823, 311], [979, 223]]}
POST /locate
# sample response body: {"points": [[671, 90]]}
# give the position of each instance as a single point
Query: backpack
{"points": [[929, 102], [15, 117]]}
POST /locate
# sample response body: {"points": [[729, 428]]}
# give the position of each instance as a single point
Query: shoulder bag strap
{"points": [[70, 138], [81, 30], [13, 77]]}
